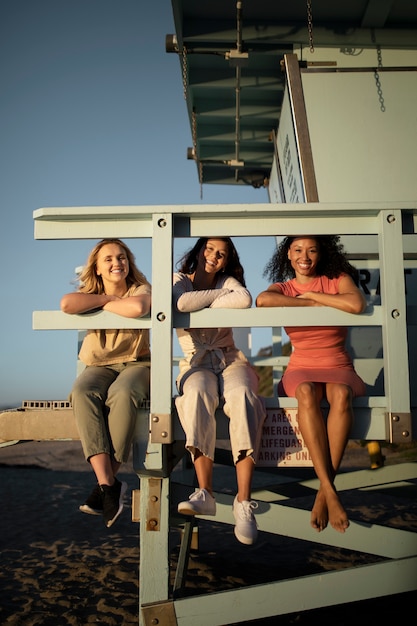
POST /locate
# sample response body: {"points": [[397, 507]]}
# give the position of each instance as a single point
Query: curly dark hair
{"points": [[333, 259], [188, 263]]}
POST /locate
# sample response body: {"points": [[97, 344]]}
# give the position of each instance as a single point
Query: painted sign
{"points": [[282, 444], [288, 155]]}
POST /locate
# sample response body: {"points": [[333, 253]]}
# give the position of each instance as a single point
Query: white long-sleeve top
{"points": [[208, 347]]}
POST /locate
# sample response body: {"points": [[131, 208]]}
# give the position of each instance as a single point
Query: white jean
{"points": [[201, 392]]}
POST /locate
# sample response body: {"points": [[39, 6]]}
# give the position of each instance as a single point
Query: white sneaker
{"points": [[246, 529], [199, 503]]}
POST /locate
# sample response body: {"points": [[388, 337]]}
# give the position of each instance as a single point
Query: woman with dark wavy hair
{"points": [[213, 369], [106, 395], [311, 271]]}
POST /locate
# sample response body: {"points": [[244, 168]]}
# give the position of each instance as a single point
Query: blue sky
{"points": [[92, 113]]}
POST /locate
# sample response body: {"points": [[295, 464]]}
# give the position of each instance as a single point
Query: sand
{"points": [[60, 566]]}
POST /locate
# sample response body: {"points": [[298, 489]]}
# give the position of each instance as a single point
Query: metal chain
{"points": [[310, 25], [193, 119], [376, 74], [199, 164], [200, 178], [194, 132], [184, 72]]}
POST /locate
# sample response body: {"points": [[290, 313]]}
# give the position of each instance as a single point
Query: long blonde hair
{"points": [[89, 282]]}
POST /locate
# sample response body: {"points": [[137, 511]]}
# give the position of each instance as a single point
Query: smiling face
{"points": [[304, 256], [113, 266], [213, 256]]}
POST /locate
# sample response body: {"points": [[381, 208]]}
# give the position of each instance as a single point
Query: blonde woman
{"points": [[115, 382]]}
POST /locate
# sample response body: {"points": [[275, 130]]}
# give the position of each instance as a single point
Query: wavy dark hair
{"points": [[332, 262], [187, 264]]}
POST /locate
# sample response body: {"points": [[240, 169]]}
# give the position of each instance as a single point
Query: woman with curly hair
{"points": [[115, 382], [213, 369], [314, 271]]}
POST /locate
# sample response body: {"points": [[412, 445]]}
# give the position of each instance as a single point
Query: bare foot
{"points": [[319, 513], [337, 515], [327, 510]]}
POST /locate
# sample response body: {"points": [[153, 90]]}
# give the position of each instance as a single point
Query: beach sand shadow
{"points": [[60, 566]]}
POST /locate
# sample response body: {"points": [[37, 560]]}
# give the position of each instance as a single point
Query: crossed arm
{"points": [[349, 299], [231, 296], [132, 306]]}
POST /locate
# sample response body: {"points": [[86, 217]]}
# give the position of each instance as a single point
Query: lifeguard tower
{"points": [[316, 101]]}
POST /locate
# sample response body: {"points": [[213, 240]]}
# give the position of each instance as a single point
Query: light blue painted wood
{"points": [[394, 327], [371, 413], [298, 594]]}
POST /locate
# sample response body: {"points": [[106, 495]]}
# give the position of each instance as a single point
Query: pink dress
{"points": [[319, 353]]}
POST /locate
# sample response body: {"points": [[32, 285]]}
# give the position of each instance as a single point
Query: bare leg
{"points": [[244, 473], [204, 470], [339, 421], [339, 424], [327, 506], [104, 468]]}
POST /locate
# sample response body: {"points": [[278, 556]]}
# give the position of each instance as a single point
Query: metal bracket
{"points": [[161, 428], [162, 613], [153, 512], [400, 427], [237, 58]]}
